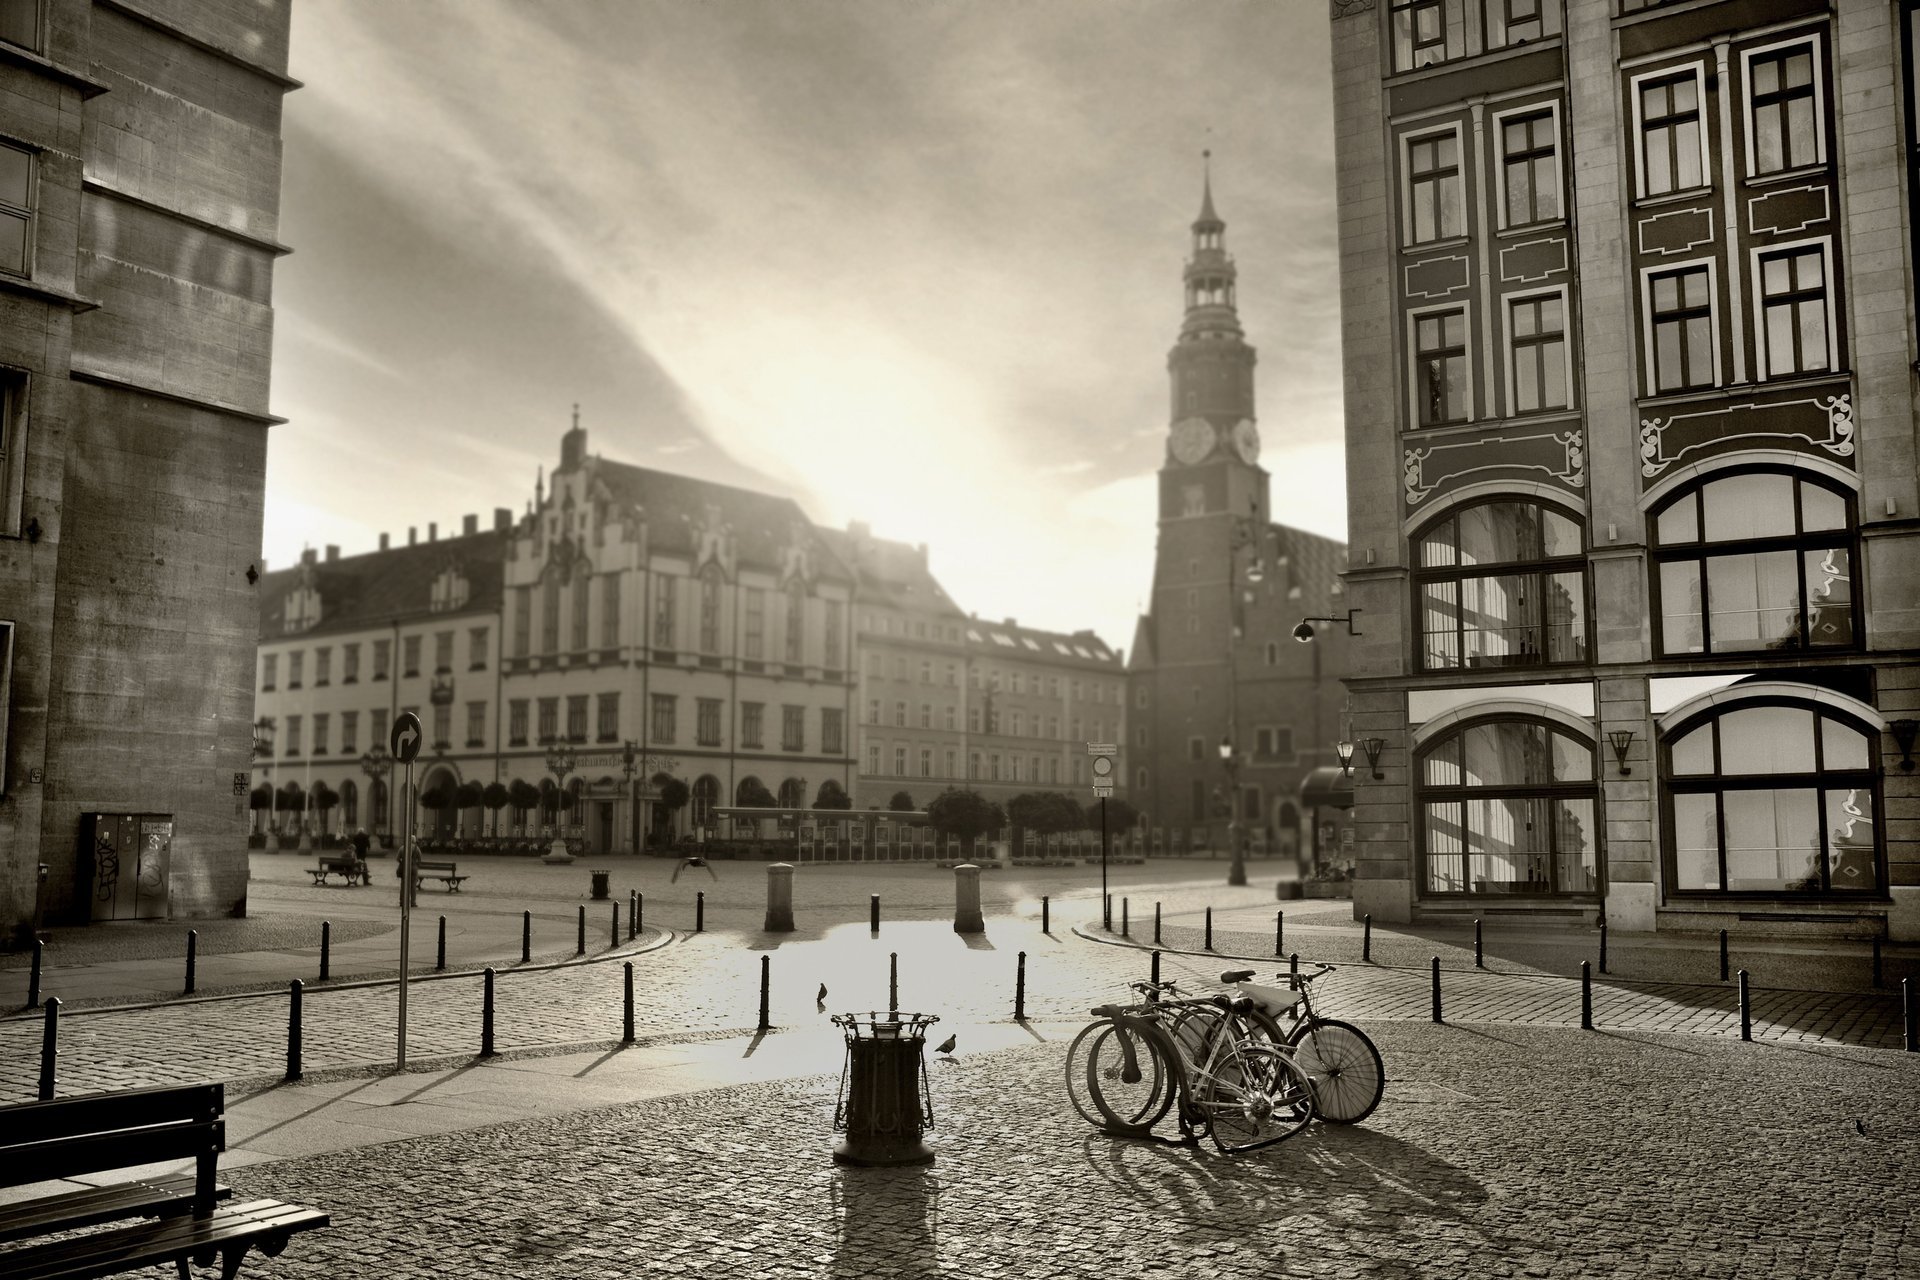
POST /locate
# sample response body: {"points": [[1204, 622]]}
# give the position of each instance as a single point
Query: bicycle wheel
{"points": [[1098, 1085], [1346, 1069], [1254, 1097]]}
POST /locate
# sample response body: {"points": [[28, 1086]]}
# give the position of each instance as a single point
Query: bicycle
{"points": [[1244, 1095], [1344, 1064]]}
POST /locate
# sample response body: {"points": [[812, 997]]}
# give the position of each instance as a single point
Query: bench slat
{"points": [[92, 1112], [90, 1206], [120, 1149], [128, 1248]]}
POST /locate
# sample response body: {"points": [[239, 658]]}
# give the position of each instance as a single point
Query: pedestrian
{"points": [[360, 846]]}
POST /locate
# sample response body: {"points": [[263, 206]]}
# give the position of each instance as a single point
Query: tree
{"points": [[1121, 816], [495, 797], [1043, 813], [902, 802], [832, 796], [754, 793], [674, 794], [966, 814]]}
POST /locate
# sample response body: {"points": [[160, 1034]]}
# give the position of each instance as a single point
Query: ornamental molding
{"points": [[1548, 270], [1351, 8], [1436, 268], [1665, 441], [1788, 210], [1560, 454], [1703, 216]]}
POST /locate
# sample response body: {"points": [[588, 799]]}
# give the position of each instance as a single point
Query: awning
{"points": [[1327, 787]]}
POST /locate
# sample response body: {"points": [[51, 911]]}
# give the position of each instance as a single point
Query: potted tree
{"points": [[495, 798], [966, 815], [466, 798], [324, 799]]}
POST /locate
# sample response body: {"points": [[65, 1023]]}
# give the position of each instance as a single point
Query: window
{"points": [[751, 714], [926, 673], [948, 759], [1273, 742], [269, 664], [1529, 168], [1511, 22], [382, 658], [320, 734], [1196, 748], [20, 23], [1440, 367], [517, 722], [1019, 725], [756, 640], [377, 725], [1501, 584], [610, 611], [706, 794], [899, 762], [1783, 121], [522, 619], [1507, 807], [1422, 30], [443, 725], [873, 711], [832, 731], [873, 759], [663, 622], [349, 664], [1758, 560], [1434, 204], [293, 735], [710, 610], [835, 632], [410, 656], [1670, 137], [1772, 798], [476, 724], [443, 653], [549, 719], [662, 727], [607, 717], [550, 613], [1796, 330], [576, 717], [477, 648], [322, 666], [926, 715], [796, 627], [973, 719], [793, 728], [1140, 778], [953, 676], [1537, 338], [1681, 351], [706, 724], [16, 209], [899, 715], [349, 732], [947, 716], [973, 765]]}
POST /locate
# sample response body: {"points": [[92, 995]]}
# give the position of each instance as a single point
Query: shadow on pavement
{"points": [[887, 1221]]}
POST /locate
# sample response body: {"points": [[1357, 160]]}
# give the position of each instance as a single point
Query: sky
{"points": [[910, 262]]}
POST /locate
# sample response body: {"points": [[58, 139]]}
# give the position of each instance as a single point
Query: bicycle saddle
{"points": [[1112, 1011], [1232, 976], [1236, 1004]]}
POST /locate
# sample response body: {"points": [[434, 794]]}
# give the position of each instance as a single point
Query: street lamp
{"points": [[1246, 533], [1343, 752], [1237, 869], [559, 764], [375, 763]]}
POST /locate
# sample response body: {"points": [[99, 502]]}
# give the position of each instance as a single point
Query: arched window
{"points": [[1501, 584], [706, 794], [1756, 560], [1508, 807], [349, 804], [377, 804], [1772, 797], [710, 584], [793, 794]]}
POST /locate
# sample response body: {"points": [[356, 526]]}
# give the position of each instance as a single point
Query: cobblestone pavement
{"points": [[1517, 1152]]}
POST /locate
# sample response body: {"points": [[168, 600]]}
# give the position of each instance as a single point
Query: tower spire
{"points": [[1207, 216]]}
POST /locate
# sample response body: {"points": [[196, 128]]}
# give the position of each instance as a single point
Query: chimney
{"points": [[308, 555], [413, 535], [333, 553], [1010, 624], [502, 519], [433, 531], [383, 542], [469, 525]]}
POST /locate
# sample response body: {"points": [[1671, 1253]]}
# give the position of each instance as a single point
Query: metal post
{"points": [[326, 949], [1046, 916], [580, 945], [1908, 1003], [1125, 930], [33, 980], [613, 938], [1876, 962], [873, 912], [50, 1050], [1366, 937], [766, 982], [626, 1032], [893, 982], [1106, 912], [1479, 955], [1156, 967], [1279, 933], [633, 914], [1603, 945], [1746, 1009], [700, 912], [486, 1014], [1586, 996], [639, 911], [293, 1029], [1020, 989], [526, 936], [1209, 928], [440, 949], [1436, 990], [1723, 955], [1293, 972], [408, 888], [1156, 924], [193, 944], [1103, 864]]}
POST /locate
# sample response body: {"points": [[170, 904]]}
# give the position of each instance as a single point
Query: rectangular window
{"points": [[269, 665], [947, 715], [576, 717], [322, 666], [926, 762], [16, 210], [609, 611], [796, 626], [1196, 748], [1426, 32], [751, 716], [756, 639], [1681, 306], [443, 653], [663, 619], [926, 715], [793, 728], [382, 658], [832, 731], [1795, 336], [476, 725], [349, 732], [1784, 129], [663, 727], [549, 719], [1440, 367], [873, 759], [477, 648], [350, 664], [581, 600], [522, 620], [293, 735], [836, 628], [517, 722], [1537, 338], [1670, 156], [899, 715], [410, 656], [443, 726], [710, 611], [550, 614], [607, 717], [1512, 22], [973, 719], [296, 664], [1529, 168], [20, 23], [377, 726], [899, 762], [873, 711], [706, 723], [949, 761], [1435, 206], [320, 734]]}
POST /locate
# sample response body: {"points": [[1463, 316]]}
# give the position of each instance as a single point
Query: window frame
{"points": [[1749, 134], [1508, 303], [16, 385], [29, 212], [1499, 121], [1757, 258], [1408, 141], [1649, 326], [1635, 85], [1414, 316], [1421, 576]]}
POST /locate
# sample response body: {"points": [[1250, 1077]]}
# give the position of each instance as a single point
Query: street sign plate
{"points": [[1103, 748], [1102, 789], [404, 739]]}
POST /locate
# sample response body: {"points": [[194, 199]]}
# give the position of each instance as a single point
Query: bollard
{"points": [[1293, 972], [1436, 990], [633, 914], [1876, 963], [526, 936], [639, 910], [1020, 989], [581, 947], [193, 944], [1156, 924], [766, 983], [1479, 956], [326, 948], [1279, 933], [873, 913], [700, 912], [50, 1040], [1746, 1009], [1046, 916], [966, 900], [779, 917], [1586, 996], [893, 982], [33, 980], [1106, 912], [293, 1029], [613, 939], [1908, 1003], [626, 1026], [486, 1014], [1209, 928], [1723, 955], [1156, 969], [1125, 931], [440, 950], [1366, 937], [1603, 945]]}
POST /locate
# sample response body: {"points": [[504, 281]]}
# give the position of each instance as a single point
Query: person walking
{"points": [[360, 846]]}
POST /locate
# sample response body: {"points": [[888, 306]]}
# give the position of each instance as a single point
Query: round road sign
{"points": [[404, 739]]}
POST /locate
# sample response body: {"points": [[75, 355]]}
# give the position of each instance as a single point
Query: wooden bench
{"points": [[345, 865], [102, 1132], [445, 872]]}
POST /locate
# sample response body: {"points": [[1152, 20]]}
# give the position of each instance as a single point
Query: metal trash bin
{"points": [[600, 884], [884, 1109]]}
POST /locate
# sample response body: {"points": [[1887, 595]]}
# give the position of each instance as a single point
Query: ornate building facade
{"points": [[1628, 334], [1228, 714]]}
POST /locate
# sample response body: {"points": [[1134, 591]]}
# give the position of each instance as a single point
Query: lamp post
{"points": [[1237, 869], [559, 764], [641, 764], [1246, 534], [375, 763]]}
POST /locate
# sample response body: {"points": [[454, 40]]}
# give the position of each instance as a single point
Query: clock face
{"points": [[1246, 441], [1193, 440]]}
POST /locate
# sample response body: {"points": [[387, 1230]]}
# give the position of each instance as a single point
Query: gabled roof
{"points": [[890, 573], [381, 587], [674, 506], [1011, 640], [1317, 562]]}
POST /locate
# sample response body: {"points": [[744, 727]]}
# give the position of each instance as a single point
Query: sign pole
{"points": [[404, 743], [1105, 908]]}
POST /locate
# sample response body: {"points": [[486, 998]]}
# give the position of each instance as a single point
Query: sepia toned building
{"points": [[139, 204], [1628, 340]]}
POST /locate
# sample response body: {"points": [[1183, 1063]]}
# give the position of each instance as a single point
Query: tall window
{"points": [[1670, 134], [706, 794], [752, 716], [550, 613], [926, 762], [607, 717], [443, 725], [1773, 798], [349, 732], [899, 762], [517, 722], [477, 648], [1754, 561], [1537, 335], [1502, 584], [1440, 367], [1530, 168], [410, 656], [1793, 312], [793, 728], [1421, 29], [382, 658], [610, 611], [756, 638], [320, 733], [350, 664], [293, 735], [1785, 109], [1681, 304], [322, 666], [663, 718], [581, 600], [1511, 22], [1433, 188], [269, 663], [20, 23], [836, 627], [476, 724], [832, 731], [663, 619], [796, 623], [710, 610], [1507, 807], [442, 653], [549, 719], [576, 717], [706, 727], [522, 620], [16, 210]]}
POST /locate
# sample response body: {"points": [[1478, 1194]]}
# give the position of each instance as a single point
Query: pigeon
{"points": [[822, 997], [1859, 1127], [946, 1046]]}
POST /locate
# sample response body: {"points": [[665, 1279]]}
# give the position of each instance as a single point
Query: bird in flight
{"points": [[946, 1046], [822, 997]]}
